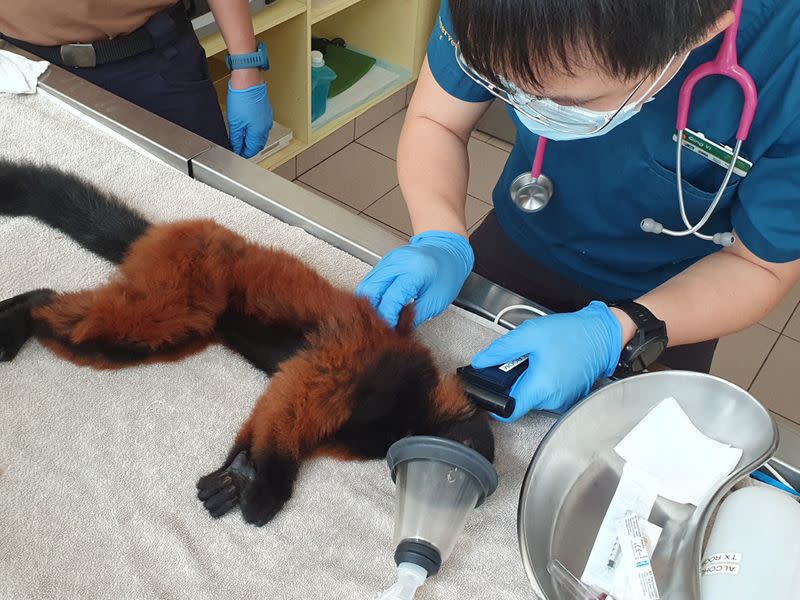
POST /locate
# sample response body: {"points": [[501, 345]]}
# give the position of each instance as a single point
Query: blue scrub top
{"points": [[605, 186]]}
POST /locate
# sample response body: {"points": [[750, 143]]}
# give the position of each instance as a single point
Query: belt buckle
{"points": [[79, 55]]}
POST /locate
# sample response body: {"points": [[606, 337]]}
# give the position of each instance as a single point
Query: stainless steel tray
{"points": [[575, 471]]}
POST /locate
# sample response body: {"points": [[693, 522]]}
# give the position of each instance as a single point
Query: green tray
{"points": [[348, 65]]}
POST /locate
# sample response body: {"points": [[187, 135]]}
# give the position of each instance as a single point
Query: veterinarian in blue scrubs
{"points": [[147, 52], [621, 293]]}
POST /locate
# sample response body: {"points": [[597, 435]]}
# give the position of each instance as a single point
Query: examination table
{"points": [[98, 468]]}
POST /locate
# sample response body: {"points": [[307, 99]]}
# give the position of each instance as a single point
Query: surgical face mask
{"points": [[562, 123], [584, 123]]}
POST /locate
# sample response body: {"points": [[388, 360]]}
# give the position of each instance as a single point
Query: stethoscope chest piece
{"points": [[531, 194]]}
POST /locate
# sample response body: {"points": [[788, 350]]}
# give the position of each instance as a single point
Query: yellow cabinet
{"points": [[394, 32]]}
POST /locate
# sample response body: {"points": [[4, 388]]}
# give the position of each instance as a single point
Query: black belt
{"points": [[105, 51]]}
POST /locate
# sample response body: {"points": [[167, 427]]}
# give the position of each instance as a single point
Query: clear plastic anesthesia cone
{"points": [[439, 483]]}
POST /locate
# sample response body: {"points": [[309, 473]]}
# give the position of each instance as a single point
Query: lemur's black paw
{"points": [[220, 490], [16, 325]]}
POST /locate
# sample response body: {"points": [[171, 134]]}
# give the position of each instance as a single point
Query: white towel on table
{"points": [[97, 468], [19, 75]]}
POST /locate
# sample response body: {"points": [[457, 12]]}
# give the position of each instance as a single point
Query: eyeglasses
{"points": [[545, 111]]}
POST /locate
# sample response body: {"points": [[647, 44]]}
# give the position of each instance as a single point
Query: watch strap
{"points": [[640, 315], [257, 59], [651, 332]]}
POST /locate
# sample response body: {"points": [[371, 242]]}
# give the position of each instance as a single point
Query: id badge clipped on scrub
{"points": [[489, 388], [719, 154]]}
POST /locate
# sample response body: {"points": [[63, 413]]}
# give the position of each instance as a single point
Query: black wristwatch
{"points": [[647, 344]]}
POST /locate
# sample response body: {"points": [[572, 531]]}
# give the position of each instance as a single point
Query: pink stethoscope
{"points": [[531, 192]]}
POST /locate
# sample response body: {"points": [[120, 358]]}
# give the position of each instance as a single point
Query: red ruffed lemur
{"points": [[343, 383]]}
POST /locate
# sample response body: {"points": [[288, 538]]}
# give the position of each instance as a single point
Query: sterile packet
{"points": [[635, 493], [634, 577]]}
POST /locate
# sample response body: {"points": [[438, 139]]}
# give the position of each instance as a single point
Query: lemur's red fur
{"points": [[177, 281], [166, 301]]}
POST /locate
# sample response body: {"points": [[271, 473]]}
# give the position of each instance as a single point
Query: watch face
{"points": [[649, 353]]}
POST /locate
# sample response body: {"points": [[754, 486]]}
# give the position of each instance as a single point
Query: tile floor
{"points": [[355, 166]]}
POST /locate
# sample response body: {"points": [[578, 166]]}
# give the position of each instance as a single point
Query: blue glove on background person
{"points": [[567, 353], [430, 270], [249, 119]]}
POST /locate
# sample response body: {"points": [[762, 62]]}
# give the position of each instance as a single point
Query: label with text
{"points": [[724, 563]]}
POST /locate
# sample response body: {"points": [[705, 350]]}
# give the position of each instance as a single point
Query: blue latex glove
{"points": [[249, 119], [567, 353], [430, 269]]}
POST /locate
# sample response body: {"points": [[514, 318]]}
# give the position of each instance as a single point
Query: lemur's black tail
{"points": [[94, 219]]}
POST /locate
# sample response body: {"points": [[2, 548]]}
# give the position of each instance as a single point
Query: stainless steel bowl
{"points": [[575, 471]]}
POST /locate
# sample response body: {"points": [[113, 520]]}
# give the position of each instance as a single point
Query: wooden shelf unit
{"points": [[322, 9], [395, 32]]}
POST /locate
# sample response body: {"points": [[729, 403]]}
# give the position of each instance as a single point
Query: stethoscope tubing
{"points": [[725, 64], [694, 229]]}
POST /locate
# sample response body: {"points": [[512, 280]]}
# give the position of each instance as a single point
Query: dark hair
{"points": [[522, 40]]}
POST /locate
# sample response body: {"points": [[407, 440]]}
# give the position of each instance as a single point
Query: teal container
{"points": [[321, 77]]}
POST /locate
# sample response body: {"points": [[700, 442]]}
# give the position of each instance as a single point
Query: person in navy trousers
{"points": [[147, 52]]}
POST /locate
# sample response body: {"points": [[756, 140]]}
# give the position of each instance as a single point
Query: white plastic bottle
{"points": [[754, 548]]}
